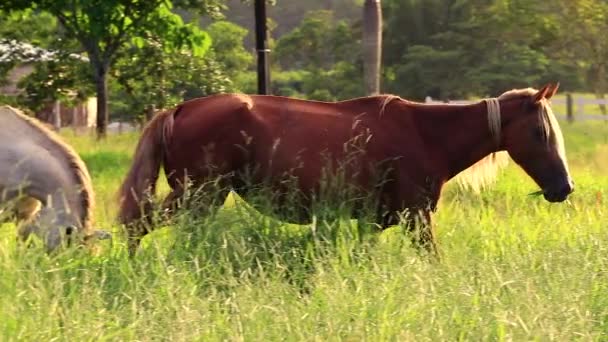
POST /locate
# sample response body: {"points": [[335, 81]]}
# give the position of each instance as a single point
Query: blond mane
{"points": [[71, 159]]}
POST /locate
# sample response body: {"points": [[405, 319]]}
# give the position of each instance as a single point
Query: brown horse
{"points": [[44, 183], [420, 147]]}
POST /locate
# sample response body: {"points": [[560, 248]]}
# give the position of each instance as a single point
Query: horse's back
{"points": [[276, 134], [266, 121]]}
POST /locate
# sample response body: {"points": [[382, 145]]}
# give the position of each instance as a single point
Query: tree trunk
{"points": [[372, 45], [101, 85], [75, 118]]}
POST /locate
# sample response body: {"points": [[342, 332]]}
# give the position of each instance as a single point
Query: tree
{"points": [[453, 49], [317, 43], [580, 28], [102, 27], [227, 48], [30, 37], [147, 78], [62, 79], [321, 59], [24, 36], [372, 45]]}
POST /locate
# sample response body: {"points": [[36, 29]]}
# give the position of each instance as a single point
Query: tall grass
{"points": [[513, 267]]}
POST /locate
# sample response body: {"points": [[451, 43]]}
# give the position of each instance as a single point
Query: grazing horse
{"points": [[419, 146], [43, 183]]}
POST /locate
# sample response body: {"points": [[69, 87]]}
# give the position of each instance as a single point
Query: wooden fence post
{"points": [[57, 115], [569, 108], [75, 119]]}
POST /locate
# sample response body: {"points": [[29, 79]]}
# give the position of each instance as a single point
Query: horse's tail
{"points": [[139, 186]]}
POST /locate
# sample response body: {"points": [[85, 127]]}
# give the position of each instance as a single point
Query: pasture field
{"points": [[513, 267]]}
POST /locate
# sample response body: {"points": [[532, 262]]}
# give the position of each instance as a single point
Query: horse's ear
{"points": [[541, 94], [552, 91]]}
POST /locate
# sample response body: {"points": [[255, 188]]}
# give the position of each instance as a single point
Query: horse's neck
{"points": [[460, 133], [45, 166]]}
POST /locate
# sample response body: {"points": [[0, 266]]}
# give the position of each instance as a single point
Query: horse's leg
{"points": [[423, 235], [171, 203], [139, 228], [418, 223], [137, 231]]}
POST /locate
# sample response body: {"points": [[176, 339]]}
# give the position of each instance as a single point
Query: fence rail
{"points": [[569, 108]]}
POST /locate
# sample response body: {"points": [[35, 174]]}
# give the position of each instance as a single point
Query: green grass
{"points": [[514, 267]]}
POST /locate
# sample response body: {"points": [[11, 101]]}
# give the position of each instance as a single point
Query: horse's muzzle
{"points": [[561, 194]]}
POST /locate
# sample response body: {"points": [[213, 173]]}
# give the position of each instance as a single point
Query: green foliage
{"points": [[103, 27], [23, 26], [37, 28], [150, 77], [35, 39], [288, 14], [446, 49], [321, 58], [580, 39], [318, 42], [56, 80], [228, 50], [211, 8], [456, 49]]}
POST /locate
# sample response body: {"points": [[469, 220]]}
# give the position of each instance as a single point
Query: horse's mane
{"points": [[71, 158], [515, 93]]}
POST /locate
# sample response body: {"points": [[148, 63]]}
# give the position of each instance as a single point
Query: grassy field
{"points": [[514, 268]]}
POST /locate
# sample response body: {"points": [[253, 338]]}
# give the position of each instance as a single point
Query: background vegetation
{"points": [[443, 48]]}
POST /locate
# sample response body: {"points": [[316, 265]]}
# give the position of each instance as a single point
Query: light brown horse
{"points": [[43, 182], [419, 147]]}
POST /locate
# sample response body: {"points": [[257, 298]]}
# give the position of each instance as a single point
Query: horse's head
{"points": [[56, 229], [534, 140]]}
